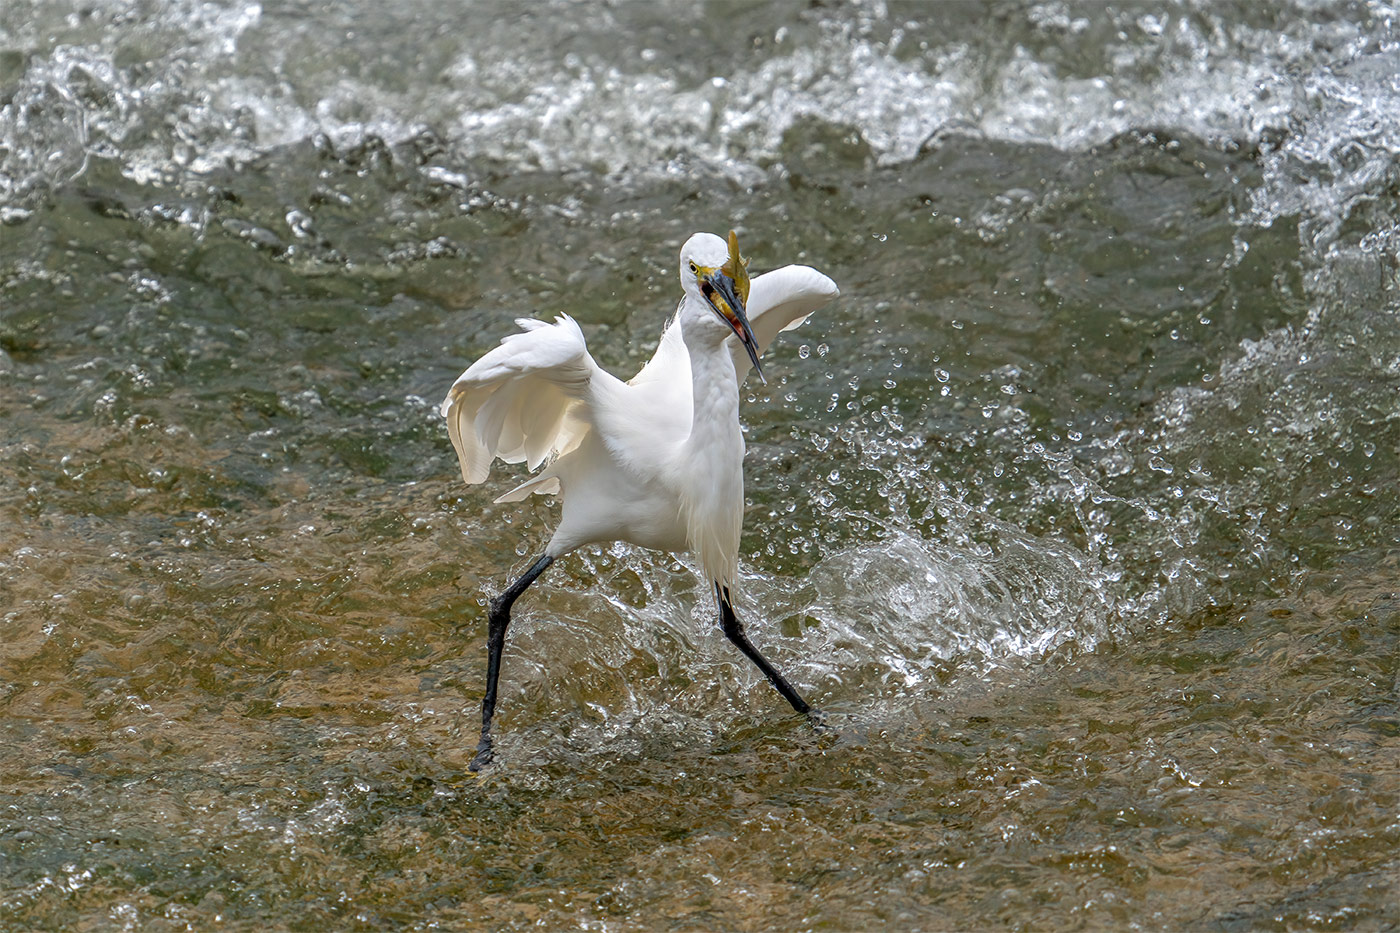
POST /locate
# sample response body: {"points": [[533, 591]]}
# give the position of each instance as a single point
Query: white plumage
{"points": [[665, 437], [656, 461]]}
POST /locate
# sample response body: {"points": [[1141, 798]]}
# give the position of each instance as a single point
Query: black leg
{"points": [[734, 631], [497, 621]]}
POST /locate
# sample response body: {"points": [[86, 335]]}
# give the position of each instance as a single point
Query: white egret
{"points": [[656, 461]]}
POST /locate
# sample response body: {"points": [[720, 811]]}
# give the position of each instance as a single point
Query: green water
{"points": [[1077, 512]]}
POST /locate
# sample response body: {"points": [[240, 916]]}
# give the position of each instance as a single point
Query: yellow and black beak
{"points": [[720, 291]]}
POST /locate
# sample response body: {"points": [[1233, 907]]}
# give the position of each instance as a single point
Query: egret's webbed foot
{"points": [[497, 621], [734, 631]]}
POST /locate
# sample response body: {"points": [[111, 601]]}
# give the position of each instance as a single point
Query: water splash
{"points": [[175, 91]]}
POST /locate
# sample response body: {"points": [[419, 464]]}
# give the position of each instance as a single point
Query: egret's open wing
{"points": [[523, 400], [780, 300]]}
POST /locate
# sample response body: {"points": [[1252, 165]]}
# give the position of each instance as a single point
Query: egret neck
{"points": [[712, 501]]}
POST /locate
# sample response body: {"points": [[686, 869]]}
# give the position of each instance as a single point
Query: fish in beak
{"points": [[720, 292], [727, 289]]}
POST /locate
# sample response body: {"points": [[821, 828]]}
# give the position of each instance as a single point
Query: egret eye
{"points": [[693, 266]]}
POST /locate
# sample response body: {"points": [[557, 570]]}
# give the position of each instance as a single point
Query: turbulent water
{"points": [[1078, 513]]}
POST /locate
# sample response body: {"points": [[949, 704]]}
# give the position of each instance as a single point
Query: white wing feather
{"points": [[780, 300], [530, 399], [522, 400]]}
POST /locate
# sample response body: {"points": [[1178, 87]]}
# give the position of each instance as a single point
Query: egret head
{"points": [[713, 271]]}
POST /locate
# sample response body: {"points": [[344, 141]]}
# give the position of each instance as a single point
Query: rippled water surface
{"points": [[1078, 513]]}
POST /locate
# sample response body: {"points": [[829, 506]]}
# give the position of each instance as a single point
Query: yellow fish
{"points": [[737, 268]]}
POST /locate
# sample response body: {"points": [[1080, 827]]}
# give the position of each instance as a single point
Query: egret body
{"points": [[656, 461]]}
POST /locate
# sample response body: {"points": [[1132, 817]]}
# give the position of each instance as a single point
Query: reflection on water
{"points": [[1077, 514]]}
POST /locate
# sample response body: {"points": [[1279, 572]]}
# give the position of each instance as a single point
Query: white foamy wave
{"points": [[1342, 145], [193, 85], [922, 604]]}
